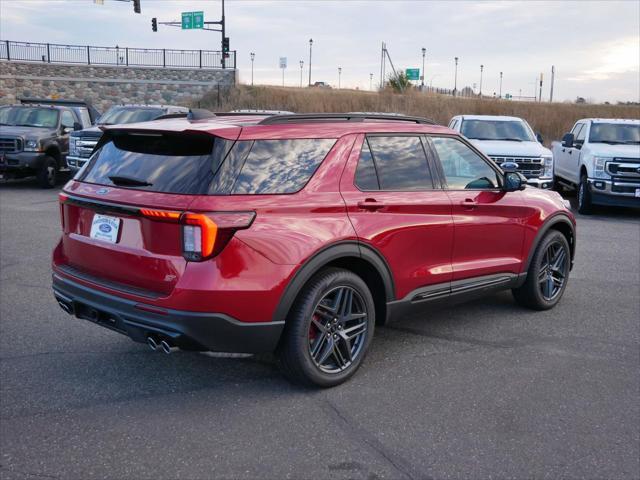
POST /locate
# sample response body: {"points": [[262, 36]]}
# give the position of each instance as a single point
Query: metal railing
{"points": [[120, 56]]}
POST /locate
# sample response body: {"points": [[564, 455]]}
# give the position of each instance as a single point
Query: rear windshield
{"points": [[203, 164]]}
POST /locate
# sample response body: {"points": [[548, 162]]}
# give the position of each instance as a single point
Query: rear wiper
{"points": [[129, 181]]}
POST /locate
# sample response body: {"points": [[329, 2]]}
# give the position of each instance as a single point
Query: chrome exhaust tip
{"points": [[153, 345], [167, 348], [67, 308]]}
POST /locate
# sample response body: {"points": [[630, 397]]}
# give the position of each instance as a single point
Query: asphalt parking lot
{"points": [[482, 390]]}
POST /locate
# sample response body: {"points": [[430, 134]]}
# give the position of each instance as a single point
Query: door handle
{"points": [[469, 204], [370, 204]]}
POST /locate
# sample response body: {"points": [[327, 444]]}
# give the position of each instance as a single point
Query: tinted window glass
{"points": [[581, 135], [497, 130], [167, 163], [366, 178], [462, 167], [67, 119], [401, 163], [615, 133], [576, 129], [280, 166], [121, 115], [29, 117]]}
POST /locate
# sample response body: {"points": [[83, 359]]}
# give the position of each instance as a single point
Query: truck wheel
{"points": [[328, 330], [548, 273], [47, 174], [584, 197]]}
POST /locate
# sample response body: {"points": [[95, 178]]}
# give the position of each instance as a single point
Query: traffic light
{"points": [[136, 6], [225, 44], [154, 24]]}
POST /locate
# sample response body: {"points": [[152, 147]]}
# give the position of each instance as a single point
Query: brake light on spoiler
{"points": [[204, 235]]}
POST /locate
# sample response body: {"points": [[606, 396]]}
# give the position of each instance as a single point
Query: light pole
{"points": [[310, 46], [500, 94], [371, 81], [424, 52], [253, 57], [481, 69], [455, 80], [301, 66], [339, 75]]}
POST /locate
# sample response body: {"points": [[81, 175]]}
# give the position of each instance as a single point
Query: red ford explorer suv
{"points": [[297, 234]]}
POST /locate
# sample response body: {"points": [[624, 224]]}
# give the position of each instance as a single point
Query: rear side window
{"points": [[280, 166], [366, 177], [203, 164], [401, 163]]}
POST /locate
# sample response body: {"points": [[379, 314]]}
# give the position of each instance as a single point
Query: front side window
{"points": [[581, 135], [400, 162], [509, 130], [67, 119], [462, 167]]}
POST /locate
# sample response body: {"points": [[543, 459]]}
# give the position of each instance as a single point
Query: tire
{"points": [[550, 263], [305, 354], [48, 173], [585, 207]]}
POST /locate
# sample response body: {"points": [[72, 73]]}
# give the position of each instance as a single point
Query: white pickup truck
{"points": [[601, 159], [509, 139]]}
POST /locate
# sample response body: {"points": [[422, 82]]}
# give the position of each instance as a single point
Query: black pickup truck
{"points": [[34, 137]]}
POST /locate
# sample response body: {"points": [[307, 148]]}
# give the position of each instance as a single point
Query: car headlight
{"points": [[548, 167], [32, 146], [73, 148], [599, 164]]}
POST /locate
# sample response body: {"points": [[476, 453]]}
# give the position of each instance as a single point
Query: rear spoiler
{"points": [[93, 113]]}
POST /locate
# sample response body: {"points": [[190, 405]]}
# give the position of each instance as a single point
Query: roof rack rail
{"points": [[345, 117]]}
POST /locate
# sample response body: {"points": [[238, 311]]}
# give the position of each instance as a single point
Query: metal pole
{"points": [[500, 96], [8, 53], [301, 69], [310, 47], [48, 53], [88, 55], [200, 56], [126, 52], [253, 56], [164, 57], [224, 63], [424, 52], [540, 95], [553, 77], [371, 81], [481, 69], [455, 81], [382, 67], [339, 76]]}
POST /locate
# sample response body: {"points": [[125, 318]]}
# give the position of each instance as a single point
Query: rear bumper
{"points": [[187, 330]]}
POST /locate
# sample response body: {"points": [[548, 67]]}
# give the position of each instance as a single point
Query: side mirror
{"points": [[539, 137], [77, 126], [567, 140], [513, 181]]}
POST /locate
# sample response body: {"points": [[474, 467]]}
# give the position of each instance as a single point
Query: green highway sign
{"points": [[413, 73], [191, 20]]}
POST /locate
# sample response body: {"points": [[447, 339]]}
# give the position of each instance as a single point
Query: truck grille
{"points": [[530, 167], [622, 168], [85, 146], [10, 145]]}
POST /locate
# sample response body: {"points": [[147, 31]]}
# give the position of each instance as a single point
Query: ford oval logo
{"points": [[102, 191], [105, 228]]}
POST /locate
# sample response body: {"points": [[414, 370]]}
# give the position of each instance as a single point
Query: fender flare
{"points": [[560, 218], [325, 256]]}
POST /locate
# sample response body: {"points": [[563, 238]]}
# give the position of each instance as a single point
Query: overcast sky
{"points": [[595, 45]]}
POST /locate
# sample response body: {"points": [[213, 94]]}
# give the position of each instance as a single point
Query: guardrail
{"points": [[119, 56]]}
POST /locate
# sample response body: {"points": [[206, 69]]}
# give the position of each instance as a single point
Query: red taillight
{"points": [[204, 235]]}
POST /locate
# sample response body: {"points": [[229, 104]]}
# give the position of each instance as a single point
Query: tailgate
{"points": [[126, 250]]}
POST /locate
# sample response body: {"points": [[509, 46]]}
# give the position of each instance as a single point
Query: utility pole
{"points": [[225, 41], [540, 95], [301, 67], [553, 77], [253, 57], [371, 81], [310, 46], [455, 80], [500, 95], [339, 76], [481, 70], [382, 60], [424, 52]]}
